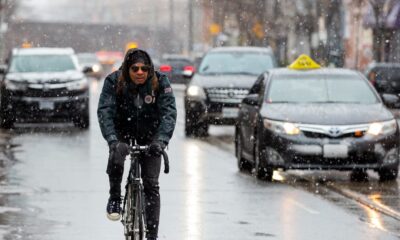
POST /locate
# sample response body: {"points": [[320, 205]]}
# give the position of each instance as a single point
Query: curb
{"points": [[366, 201]]}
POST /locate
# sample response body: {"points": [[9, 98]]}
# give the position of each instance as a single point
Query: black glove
{"points": [[156, 148], [118, 152]]}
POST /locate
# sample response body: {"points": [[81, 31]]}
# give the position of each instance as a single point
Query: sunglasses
{"points": [[143, 68]]}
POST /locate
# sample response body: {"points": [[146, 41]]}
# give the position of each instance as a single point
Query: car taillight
{"points": [[189, 69], [165, 68]]}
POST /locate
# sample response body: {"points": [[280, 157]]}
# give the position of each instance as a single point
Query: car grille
{"points": [[324, 135], [334, 132], [226, 95], [57, 92]]}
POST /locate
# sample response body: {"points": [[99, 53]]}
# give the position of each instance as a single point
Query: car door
{"points": [[250, 115]]}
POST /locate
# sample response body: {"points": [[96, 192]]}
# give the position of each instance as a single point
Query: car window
{"points": [[252, 63], [320, 89], [42, 63], [88, 59]]}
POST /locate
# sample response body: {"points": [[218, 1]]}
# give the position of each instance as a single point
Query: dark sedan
{"points": [[316, 119], [224, 78]]}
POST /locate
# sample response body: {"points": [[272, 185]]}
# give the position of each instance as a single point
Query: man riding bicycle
{"points": [[136, 104]]}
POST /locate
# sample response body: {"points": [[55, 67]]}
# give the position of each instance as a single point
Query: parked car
{"points": [[42, 84], [224, 78], [315, 118], [175, 66], [385, 77], [87, 60]]}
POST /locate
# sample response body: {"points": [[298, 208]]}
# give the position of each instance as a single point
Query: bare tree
{"points": [[379, 33]]}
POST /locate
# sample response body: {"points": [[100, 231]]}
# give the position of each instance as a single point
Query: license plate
{"points": [[230, 112], [336, 151], [46, 105]]}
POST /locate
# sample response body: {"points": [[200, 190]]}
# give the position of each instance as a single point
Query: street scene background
{"points": [[53, 183]]}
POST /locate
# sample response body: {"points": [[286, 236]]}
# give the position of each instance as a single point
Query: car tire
{"points": [[82, 120], [201, 129], [262, 171], [241, 162], [359, 175], [193, 128], [6, 117], [388, 174], [189, 128], [6, 122]]}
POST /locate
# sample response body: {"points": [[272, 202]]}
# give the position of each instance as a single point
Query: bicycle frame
{"points": [[133, 211], [134, 217]]}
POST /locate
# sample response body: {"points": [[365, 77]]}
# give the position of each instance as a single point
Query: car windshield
{"points": [[88, 59], [251, 63], [42, 63], [320, 89]]}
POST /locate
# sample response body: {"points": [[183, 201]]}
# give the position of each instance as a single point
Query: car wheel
{"points": [[262, 171], [82, 120], [241, 162], [202, 129], [6, 117], [188, 127], [193, 128], [359, 175], [388, 174]]}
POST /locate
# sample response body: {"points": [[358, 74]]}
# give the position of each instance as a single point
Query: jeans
{"points": [[150, 169]]}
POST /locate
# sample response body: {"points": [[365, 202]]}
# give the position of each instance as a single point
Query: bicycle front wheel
{"points": [[137, 213]]}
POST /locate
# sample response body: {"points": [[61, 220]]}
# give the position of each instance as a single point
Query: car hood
{"points": [[225, 81], [327, 114], [46, 77]]}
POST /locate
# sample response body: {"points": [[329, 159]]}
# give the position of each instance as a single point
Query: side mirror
{"points": [[87, 69], [390, 99], [251, 99], [3, 69]]}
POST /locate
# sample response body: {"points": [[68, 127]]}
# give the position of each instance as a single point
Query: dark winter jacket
{"points": [[138, 112]]}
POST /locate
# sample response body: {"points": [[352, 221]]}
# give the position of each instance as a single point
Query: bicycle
{"points": [[133, 211]]}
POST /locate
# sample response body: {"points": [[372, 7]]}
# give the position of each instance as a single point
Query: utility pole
{"points": [[171, 17], [190, 6], [3, 6]]}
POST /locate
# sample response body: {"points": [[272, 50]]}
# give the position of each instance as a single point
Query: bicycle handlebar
{"points": [[144, 148]]}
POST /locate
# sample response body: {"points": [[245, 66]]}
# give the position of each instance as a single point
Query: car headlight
{"points": [[282, 127], [382, 128], [81, 84], [96, 68], [196, 92], [15, 85]]}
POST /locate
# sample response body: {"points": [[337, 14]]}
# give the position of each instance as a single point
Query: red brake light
{"points": [[165, 68], [189, 68]]}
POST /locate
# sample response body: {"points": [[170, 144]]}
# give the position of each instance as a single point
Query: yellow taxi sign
{"points": [[26, 44], [130, 45], [304, 62]]}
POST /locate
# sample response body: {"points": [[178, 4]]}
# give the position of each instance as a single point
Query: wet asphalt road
{"points": [[57, 190]]}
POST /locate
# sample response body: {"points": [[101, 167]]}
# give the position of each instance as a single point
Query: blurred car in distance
{"points": [[385, 77], [314, 118], [90, 60], [175, 67], [44, 84], [224, 78]]}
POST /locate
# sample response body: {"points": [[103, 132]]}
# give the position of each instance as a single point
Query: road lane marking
{"points": [[309, 210]]}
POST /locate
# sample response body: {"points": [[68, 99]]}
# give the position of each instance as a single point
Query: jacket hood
{"points": [[129, 60]]}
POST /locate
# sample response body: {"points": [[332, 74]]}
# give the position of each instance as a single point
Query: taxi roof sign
{"points": [[304, 62]]}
